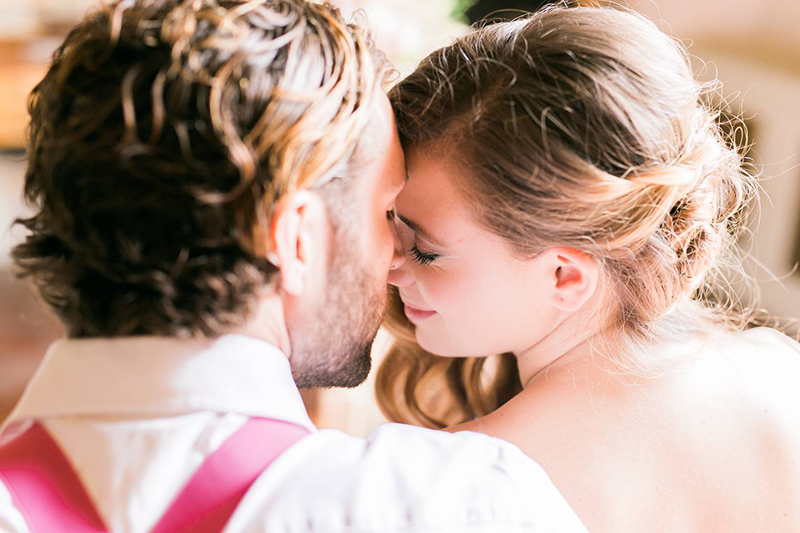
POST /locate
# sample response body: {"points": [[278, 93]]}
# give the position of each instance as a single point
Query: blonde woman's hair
{"points": [[581, 127]]}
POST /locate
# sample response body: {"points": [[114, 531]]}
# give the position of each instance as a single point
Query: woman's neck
{"points": [[572, 339]]}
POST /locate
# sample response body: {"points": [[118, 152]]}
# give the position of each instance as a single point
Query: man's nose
{"points": [[398, 275]]}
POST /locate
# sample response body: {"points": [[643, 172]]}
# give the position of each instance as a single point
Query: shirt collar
{"points": [[161, 376]]}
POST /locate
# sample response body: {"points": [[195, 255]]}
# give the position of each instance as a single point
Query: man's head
{"points": [[187, 157], [334, 275]]}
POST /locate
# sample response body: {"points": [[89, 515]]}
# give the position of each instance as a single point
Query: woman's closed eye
{"points": [[420, 257], [408, 237]]}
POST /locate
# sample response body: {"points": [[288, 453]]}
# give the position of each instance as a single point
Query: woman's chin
{"points": [[435, 345], [427, 343]]}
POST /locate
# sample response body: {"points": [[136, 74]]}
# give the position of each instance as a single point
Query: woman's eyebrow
{"points": [[419, 230]]}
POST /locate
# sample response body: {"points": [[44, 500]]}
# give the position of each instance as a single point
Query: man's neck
{"points": [[267, 323]]}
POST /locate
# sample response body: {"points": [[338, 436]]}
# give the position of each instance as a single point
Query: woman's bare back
{"points": [[711, 446]]}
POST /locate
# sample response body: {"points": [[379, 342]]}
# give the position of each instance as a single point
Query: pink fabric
{"points": [[44, 486], [50, 496], [207, 502]]}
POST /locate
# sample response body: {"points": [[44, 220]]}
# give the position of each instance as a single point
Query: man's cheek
{"points": [[383, 243]]}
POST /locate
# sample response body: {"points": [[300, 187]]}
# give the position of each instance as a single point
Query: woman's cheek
{"points": [[446, 292]]}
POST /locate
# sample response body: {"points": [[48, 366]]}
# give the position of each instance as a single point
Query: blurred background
{"points": [[753, 47]]}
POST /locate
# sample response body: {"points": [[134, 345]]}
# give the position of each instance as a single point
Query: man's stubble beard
{"points": [[332, 347]]}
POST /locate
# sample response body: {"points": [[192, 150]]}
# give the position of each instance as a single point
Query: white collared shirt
{"points": [[137, 416]]}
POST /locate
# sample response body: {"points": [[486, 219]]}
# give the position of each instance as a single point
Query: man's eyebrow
{"points": [[418, 229]]}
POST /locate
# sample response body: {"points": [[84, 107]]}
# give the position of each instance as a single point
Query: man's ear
{"points": [[300, 236], [575, 276]]}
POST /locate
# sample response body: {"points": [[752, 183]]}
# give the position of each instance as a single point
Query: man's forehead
{"points": [[394, 141], [383, 154]]}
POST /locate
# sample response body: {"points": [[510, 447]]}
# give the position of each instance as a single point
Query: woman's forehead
{"points": [[432, 197]]}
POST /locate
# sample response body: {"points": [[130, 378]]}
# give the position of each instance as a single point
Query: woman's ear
{"points": [[300, 236], [575, 277]]}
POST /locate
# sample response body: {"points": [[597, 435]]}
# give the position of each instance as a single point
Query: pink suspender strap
{"points": [[207, 502], [44, 487], [47, 491]]}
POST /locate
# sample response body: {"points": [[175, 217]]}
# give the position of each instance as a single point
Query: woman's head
{"points": [[580, 152], [466, 289]]}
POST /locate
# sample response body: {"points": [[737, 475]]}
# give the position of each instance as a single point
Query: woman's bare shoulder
{"points": [[741, 402], [736, 378], [758, 370], [723, 431]]}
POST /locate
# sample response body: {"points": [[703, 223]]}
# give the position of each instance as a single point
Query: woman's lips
{"points": [[416, 315]]}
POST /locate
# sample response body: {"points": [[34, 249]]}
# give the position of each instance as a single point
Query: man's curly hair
{"points": [[160, 139]]}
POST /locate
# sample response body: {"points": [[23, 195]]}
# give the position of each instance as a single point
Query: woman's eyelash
{"points": [[421, 257]]}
